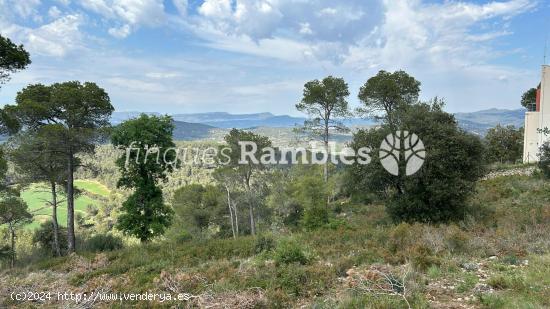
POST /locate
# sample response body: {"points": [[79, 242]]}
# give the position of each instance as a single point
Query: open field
{"points": [[37, 197]]}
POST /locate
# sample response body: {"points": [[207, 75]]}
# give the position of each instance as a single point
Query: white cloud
{"points": [[448, 45], [163, 75], [357, 32], [120, 32], [127, 15], [217, 9], [135, 85], [54, 12], [25, 8], [57, 38], [315, 26], [181, 6], [305, 28]]}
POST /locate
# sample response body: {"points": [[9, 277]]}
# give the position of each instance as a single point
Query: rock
{"points": [[482, 288], [470, 266]]}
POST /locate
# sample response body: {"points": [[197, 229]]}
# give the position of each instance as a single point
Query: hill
{"points": [[479, 122], [192, 131], [203, 125]]}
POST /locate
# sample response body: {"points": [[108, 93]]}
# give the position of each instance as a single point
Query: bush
{"points": [[504, 144], [183, 236], [311, 193], [5, 253], [103, 242], [292, 279], [456, 239], [264, 244], [315, 217], [491, 301], [44, 236], [289, 251], [506, 282], [544, 159]]}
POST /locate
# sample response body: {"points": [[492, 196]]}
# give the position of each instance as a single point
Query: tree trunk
{"points": [[13, 254], [325, 168], [252, 221], [54, 220], [230, 212], [70, 205], [250, 206], [236, 219]]}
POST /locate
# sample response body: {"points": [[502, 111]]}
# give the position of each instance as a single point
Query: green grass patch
{"points": [[92, 186], [38, 196]]}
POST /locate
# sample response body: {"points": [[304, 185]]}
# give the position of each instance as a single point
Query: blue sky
{"points": [[239, 56]]}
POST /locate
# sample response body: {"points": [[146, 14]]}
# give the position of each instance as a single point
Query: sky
{"points": [[247, 56]]}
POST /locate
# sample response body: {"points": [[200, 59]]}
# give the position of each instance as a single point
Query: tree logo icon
{"points": [[402, 147]]}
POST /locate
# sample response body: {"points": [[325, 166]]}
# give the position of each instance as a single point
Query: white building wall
{"points": [[544, 120], [531, 137], [537, 120]]}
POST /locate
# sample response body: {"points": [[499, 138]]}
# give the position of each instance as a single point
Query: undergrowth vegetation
{"points": [[498, 257]]}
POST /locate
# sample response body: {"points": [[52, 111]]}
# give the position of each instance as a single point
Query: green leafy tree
{"points": [[286, 210], [439, 191], [246, 172], [504, 144], [325, 102], [529, 99], [383, 95], [297, 197], [3, 169], [13, 58], [200, 207], [310, 192], [77, 113], [13, 213], [36, 159], [148, 158]]}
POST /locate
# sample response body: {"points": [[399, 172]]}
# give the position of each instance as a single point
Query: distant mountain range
{"points": [[481, 121], [201, 125], [225, 120]]}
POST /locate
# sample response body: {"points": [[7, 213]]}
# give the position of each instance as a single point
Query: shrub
{"points": [[504, 144], [5, 253], [491, 301], [456, 239], [467, 284], [311, 193], [335, 224], [44, 236], [403, 237], [506, 282], [292, 279], [277, 298], [103, 242], [289, 251], [264, 244], [183, 236], [315, 217], [422, 258], [544, 159]]}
